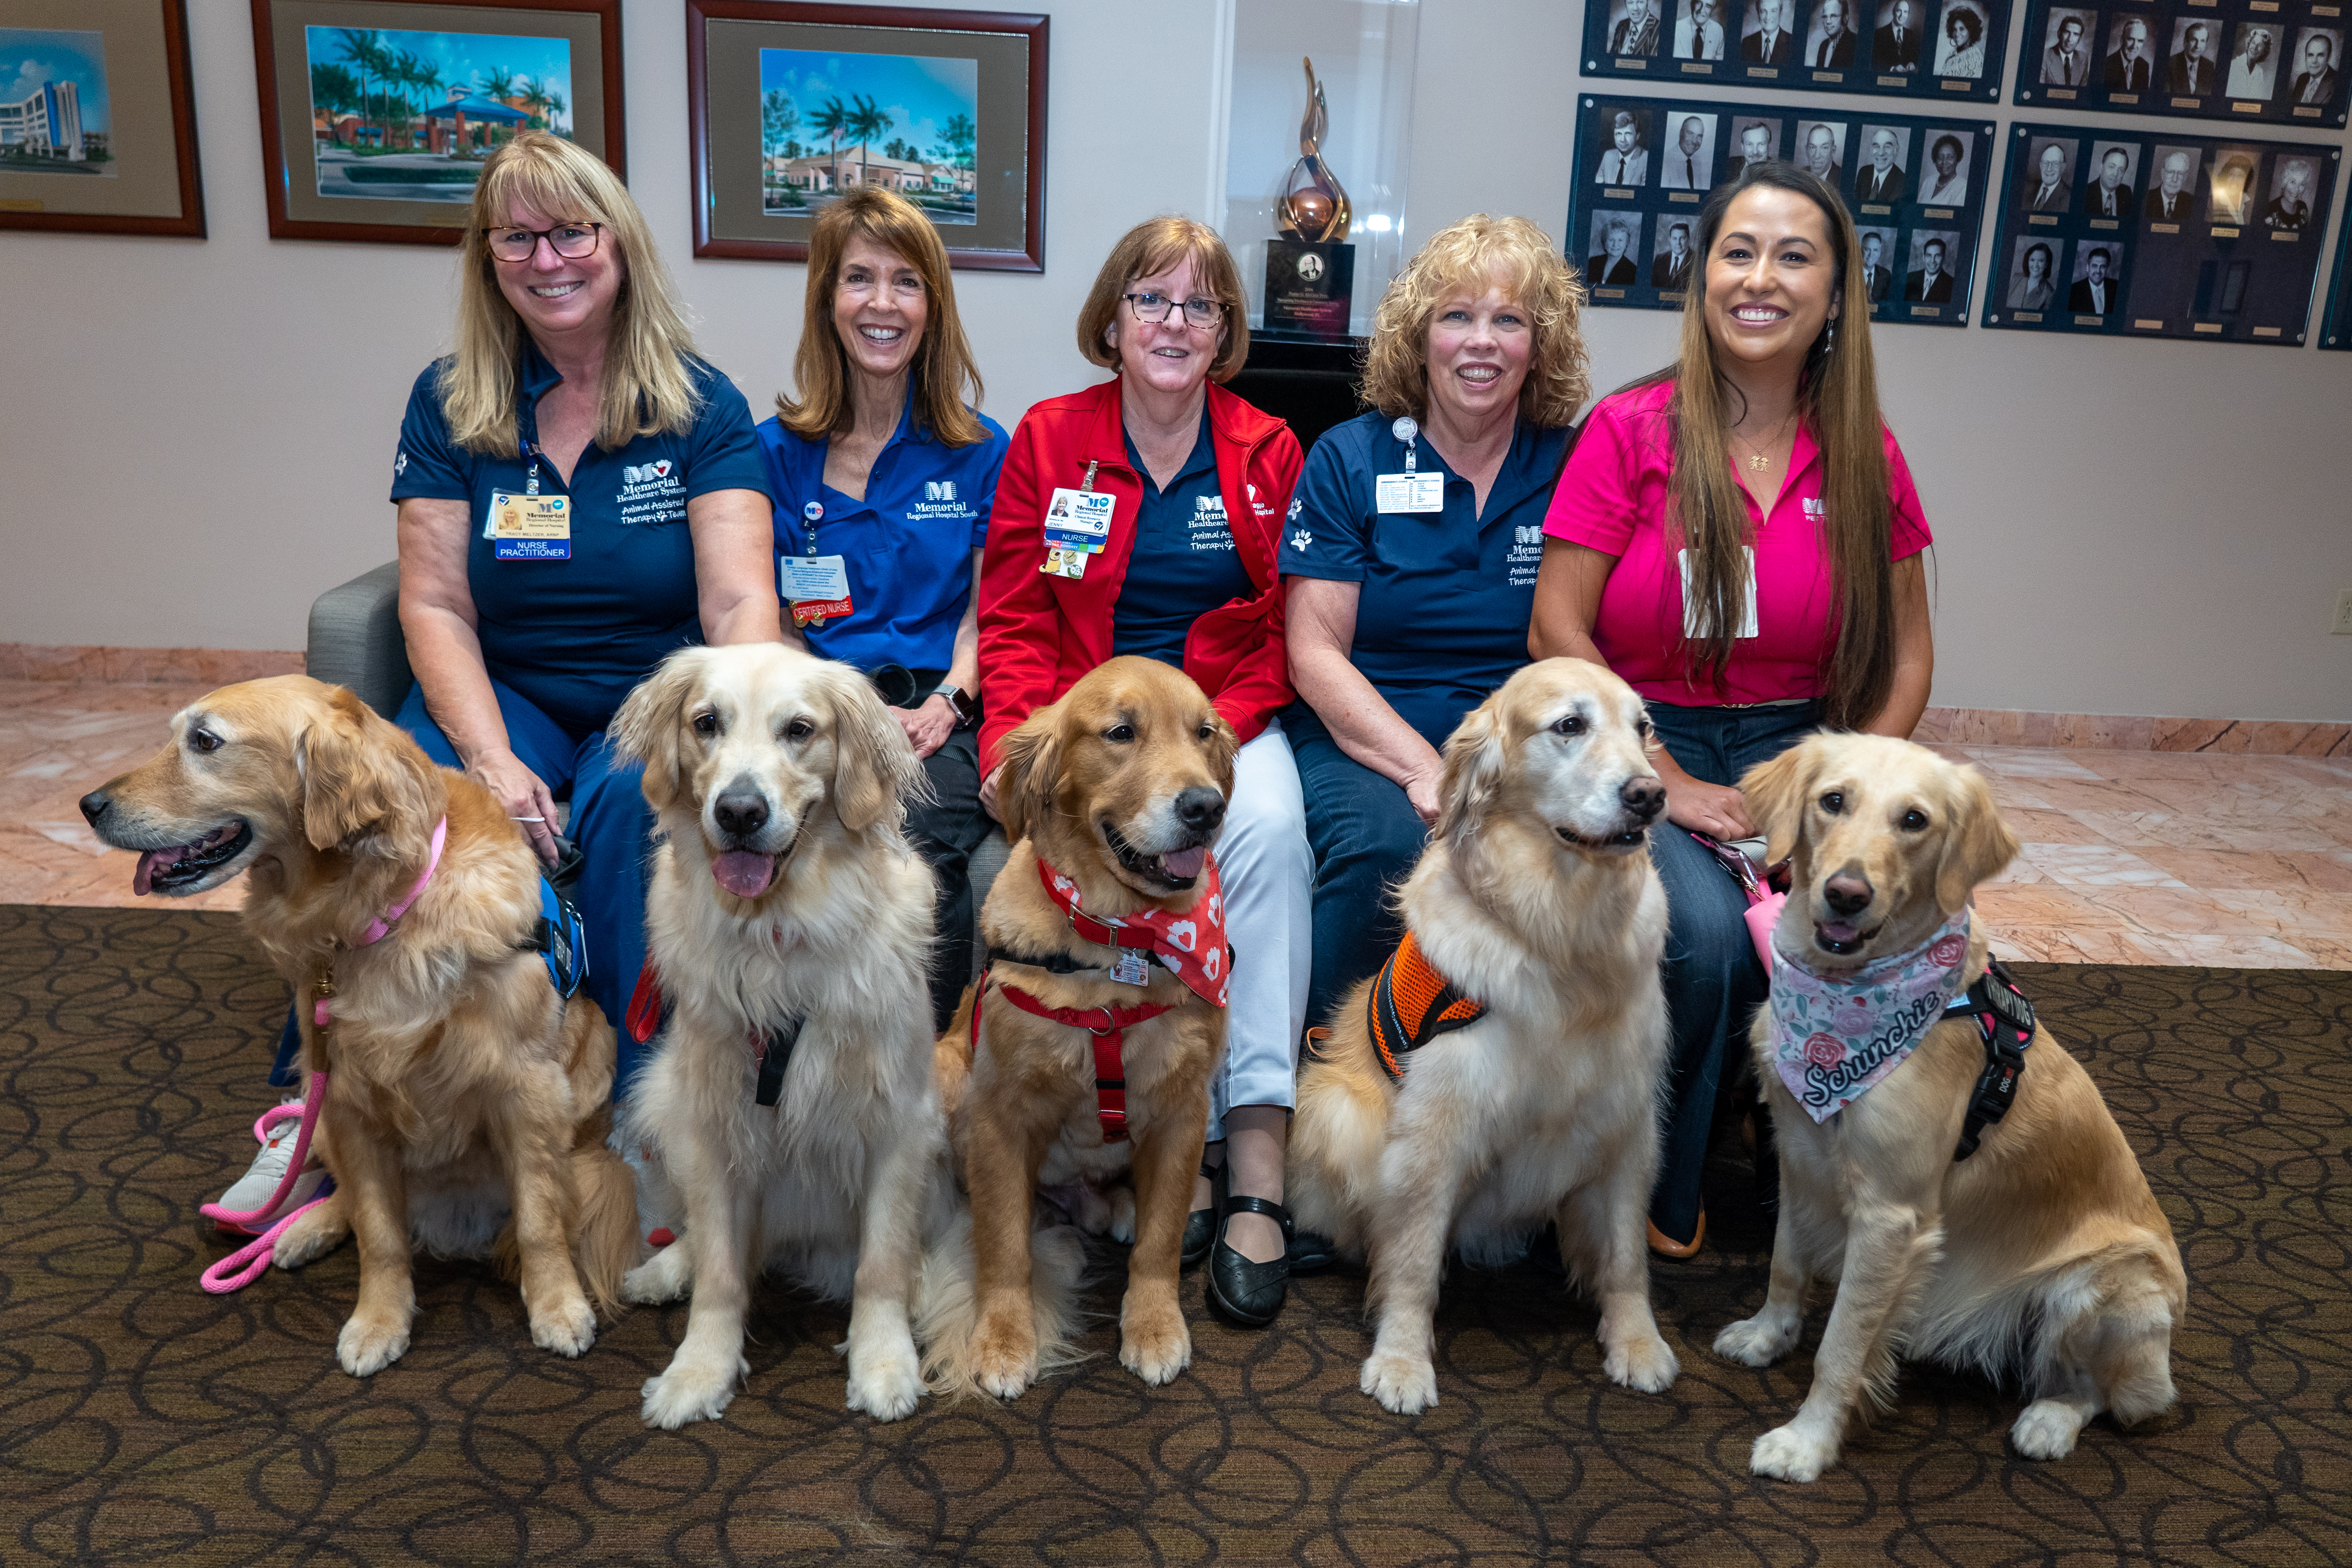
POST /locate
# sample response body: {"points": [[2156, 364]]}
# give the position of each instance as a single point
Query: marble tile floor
{"points": [[2136, 857]]}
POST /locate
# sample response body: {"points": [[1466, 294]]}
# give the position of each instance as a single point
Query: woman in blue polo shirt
{"points": [[1409, 602], [882, 471]]}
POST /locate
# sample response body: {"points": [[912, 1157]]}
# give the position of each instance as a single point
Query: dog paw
{"points": [[1404, 1385], [1122, 1215], [366, 1346], [318, 1231], [1004, 1357], [1153, 1343], [886, 1386], [1642, 1361], [665, 1276], [684, 1393], [1758, 1340], [2047, 1429], [1787, 1455], [568, 1328]]}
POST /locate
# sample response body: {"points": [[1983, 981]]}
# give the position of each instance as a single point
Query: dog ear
{"points": [[1031, 759], [874, 766], [646, 730], [1474, 773], [1776, 793], [355, 772], [1223, 744], [1979, 842]]}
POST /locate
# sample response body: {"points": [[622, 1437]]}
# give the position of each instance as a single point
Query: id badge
{"points": [[1747, 598], [1061, 563], [1078, 520], [1133, 968], [529, 528], [1410, 492], [816, 586]]}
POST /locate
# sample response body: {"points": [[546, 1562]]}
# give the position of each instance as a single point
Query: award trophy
{"points": [[1311, 272]]}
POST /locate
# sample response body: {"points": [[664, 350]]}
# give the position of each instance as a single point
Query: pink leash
{"points": [[249, 1262]]}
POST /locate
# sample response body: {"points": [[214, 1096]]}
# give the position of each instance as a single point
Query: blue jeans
{"points": [[1365, 837], [1714, 982], [610, 821]]}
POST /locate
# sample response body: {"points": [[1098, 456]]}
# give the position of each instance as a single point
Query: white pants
{"points": [[1267, 872]]}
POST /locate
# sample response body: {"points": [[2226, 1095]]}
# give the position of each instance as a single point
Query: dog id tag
{"points": [[1133, 968], [529, 527], [816, 586]]}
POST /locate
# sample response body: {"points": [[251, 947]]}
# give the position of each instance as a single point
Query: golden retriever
{"points": [[466, 1099], [1120, 786], [2043, 1253], [1536, 899], [788, 924]]}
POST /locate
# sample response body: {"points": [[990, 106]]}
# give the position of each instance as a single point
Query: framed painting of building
{"points": [[792, 104], [377, 115], [98, 120]]}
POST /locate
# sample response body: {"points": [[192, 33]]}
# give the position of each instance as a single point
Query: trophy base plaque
{"points": [[1309, 287]]}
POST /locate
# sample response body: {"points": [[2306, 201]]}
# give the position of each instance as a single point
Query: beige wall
{"points": [[195, 437]]}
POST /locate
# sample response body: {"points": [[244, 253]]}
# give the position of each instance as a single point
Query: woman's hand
{"points": [[521, 792], [928, 726], [1719, 811], [988, 793], [1421, 793]]}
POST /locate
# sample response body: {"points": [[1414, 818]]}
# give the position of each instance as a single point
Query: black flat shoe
{"points": [[1201, 1225], [1249, 1293], [1311, 1250]]}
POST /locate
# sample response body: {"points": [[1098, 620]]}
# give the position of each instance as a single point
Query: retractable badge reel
{"points": [[1411, 491], [1078, 525], [816, 586]]}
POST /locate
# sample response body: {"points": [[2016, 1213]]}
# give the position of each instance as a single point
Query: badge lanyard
{"points": [[1077, 526], [816, 586], [1411, 491], [530, 526]]}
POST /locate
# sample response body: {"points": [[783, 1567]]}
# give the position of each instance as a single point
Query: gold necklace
{"points": [[1757, 461]]}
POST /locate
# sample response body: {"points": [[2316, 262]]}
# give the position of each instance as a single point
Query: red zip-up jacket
{"points": [[1040, 633]]}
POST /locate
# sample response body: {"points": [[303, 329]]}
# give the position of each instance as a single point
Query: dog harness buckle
{"points": [[2004, 1021], [1412, 1004]]}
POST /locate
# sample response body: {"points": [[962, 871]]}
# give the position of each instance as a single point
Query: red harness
{"points": [[1109, 1037]]}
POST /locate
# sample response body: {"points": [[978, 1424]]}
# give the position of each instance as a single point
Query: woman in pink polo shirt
{"points": [[1739, 537]]}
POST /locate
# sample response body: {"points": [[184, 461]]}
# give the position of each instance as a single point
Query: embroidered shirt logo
{"points": [[1302, 539], [938, 490], [400, 464]]}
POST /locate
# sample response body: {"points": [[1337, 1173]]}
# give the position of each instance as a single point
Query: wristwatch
{"points": [[967, 711]]}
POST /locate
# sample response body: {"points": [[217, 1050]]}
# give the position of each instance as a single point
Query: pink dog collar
{"points": [[381, 926]]}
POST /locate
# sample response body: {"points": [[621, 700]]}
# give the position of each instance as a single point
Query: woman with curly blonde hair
{"points": [[1411, 559]]}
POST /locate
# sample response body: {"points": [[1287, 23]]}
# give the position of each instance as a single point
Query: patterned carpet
{"points": [[142, 1421]]}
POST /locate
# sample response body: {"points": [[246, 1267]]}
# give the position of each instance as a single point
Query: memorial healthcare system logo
{"points": [[634, 475]]}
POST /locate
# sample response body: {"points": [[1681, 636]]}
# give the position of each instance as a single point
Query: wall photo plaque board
{"points": [[2250, 61], [2335, 326], [1915, 187], [2150, 235], [98, 119], [790, 104], [1947, 50]]}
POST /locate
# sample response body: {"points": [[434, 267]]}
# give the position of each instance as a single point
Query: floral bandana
{"points": [[1836, 1035], [1191, 945]]}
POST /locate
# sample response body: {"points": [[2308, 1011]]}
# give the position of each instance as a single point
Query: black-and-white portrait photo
{"points": [[1944, 182], [2254, 61], [1686, 161], [2318, 58], [1633, 28], [2033, 274], [1698, 34], [1830, 45], [1753, 141], [1929, 280], [1960, 44], [1821, 149], [1765, 39], [1894, 41], [2171, 184], [1625, 139], [1670, 265], [1885, 154], [2294, 186], [1616, 240], [2112, 188], [2131, 55], [1878, 263], [2096, 278], [2231, 188], [2047, 184], [2194, 68], [2065, 58]]}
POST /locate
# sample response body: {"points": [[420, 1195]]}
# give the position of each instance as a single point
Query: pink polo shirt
{"points": [[1613, 498]]}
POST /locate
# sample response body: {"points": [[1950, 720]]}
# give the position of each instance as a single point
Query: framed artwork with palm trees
{"points": [[377, 115], [793, 104]]}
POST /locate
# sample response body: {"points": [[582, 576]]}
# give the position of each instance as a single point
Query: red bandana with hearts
{"points": [[1191, 945]]}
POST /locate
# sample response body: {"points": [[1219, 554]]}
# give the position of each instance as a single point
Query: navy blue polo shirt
{"points": [[907, 546], [573, 636], [1184, 563], [1442, 619]]}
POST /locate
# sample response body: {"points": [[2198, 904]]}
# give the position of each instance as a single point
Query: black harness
{"points": [[2004, 1021]]}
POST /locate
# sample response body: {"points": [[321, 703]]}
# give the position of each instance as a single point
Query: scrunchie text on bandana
{"points": [[1835, 1034]]}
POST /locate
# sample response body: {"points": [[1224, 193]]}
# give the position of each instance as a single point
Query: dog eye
{"points": [[706, 724], [1569, 724], [1207, 730], [1833, 802], [799, 729], [1914, 820], [204, 741], [1119, 734]]}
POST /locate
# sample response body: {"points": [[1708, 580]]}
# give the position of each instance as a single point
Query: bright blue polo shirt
{"points": [[1442, 619], [574, 636], [907, 546], [1184, 563]]}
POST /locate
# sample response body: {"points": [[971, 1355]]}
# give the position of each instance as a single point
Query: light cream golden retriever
{"points": [[788, 924], [1536, 899], [466, 1100], [2042, 1254], [1121, 786]]}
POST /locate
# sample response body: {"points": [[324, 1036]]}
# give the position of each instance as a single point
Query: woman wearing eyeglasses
{"points": [[1200, 484]]}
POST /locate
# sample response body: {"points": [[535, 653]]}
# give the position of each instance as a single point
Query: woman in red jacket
{"points": [[1200, 485]]}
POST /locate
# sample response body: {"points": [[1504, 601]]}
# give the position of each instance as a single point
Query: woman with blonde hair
{"points": [[1199, 482], [1412, 563], [883, 476], [1739, 537]]}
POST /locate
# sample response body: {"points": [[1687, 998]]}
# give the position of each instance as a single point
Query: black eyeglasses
{"points": [[569, 240], [1151, 307]]}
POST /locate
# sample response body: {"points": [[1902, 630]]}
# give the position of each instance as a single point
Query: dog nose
{"points": [[1644, 797], [94, 805], [1200, 809], [739, 813], [1848, 895]]}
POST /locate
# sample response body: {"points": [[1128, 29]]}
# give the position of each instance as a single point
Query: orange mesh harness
{"points": [[1412, 1004]]}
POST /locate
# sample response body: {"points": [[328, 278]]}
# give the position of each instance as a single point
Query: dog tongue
{"points": [[744, 874], [1185, 862], [143, 880], [1838, 930]]}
